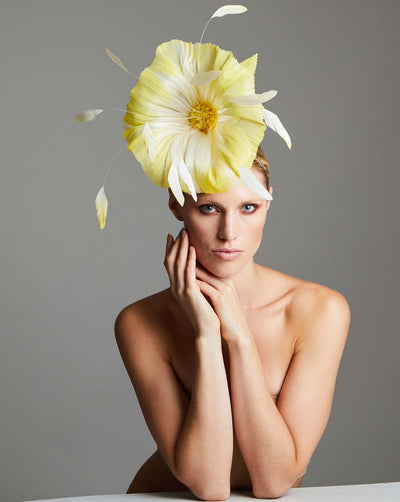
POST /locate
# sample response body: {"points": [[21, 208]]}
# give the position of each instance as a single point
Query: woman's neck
{"points": [[247, 282]]}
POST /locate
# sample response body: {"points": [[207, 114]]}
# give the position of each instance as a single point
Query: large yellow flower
{"points": [[193, 120], [182, 123]]}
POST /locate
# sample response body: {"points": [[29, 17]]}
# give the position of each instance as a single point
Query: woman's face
{"points": [[232, 219]]}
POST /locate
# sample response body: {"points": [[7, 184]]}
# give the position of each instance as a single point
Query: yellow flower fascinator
{"points": [[194, 121]]}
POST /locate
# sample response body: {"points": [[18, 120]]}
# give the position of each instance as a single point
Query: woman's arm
{"points": [[194, 436], [205, 446], [277, 442]]}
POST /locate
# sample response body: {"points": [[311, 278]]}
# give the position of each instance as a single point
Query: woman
{"points": [[234, 365]]}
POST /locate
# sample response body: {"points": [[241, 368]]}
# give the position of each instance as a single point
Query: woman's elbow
{"points": [[270, 493], [211, 492]]}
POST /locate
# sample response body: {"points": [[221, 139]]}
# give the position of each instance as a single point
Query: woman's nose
{"points": [[227, 228]]}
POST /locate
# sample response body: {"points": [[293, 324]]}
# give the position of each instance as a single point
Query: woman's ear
{"points": [[270, 190], [174, 206]]}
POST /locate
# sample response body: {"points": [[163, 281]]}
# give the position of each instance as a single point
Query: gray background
{"points": [[70, 421]]}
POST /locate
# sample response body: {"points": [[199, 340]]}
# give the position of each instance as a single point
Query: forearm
{"points": [[264, 439], [205, 446]]}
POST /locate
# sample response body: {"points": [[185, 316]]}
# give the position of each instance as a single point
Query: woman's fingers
{"points": [[172, 257], [190, 273], [180, 262], [170, 252]]}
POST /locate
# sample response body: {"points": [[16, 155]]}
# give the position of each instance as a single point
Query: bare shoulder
{"points": [[144, 321], [312, 297], [321, 312], [300, 297]]}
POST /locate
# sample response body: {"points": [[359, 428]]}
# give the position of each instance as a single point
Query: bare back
{"points": [[278, 309]]}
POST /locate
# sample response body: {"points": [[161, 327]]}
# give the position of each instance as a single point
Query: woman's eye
{"points": [[247, 205], [206, 206]]}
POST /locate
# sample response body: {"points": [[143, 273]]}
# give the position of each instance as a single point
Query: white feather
{"points": [[223, 11], [275, 124], [87, 115], [205, 77], [173, 181], [149, 141], [116, 60], [254, 99], [101, 204], [229, 9], [252, 183], [186, 177]]}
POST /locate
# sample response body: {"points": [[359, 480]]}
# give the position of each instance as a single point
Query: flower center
{"points": [[203, 117]]}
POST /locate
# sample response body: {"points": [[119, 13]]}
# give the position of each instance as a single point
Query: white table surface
{"points": [[377, 492]]}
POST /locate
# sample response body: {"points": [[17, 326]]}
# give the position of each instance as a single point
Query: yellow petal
{"points": [[87, 115], [250, 63], [101, 204]]}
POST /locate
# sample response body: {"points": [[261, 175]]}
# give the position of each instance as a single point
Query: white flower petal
{"points": [[275, 124], [87, 115], [173, 180], [205, 77], [254, 99], [186, 177], [101, 204], [252, 183], [149, 141], [229, 9]]}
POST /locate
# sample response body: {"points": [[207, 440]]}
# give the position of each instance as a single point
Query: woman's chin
{"points": [[221, 268]]}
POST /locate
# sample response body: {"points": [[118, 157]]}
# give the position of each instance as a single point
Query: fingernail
{"points": [[182, 232]]}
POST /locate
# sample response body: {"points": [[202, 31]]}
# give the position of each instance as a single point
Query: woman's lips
{"points": [[225, 255]]}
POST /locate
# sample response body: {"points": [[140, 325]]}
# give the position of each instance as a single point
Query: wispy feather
{"points": [[229, 9], [87, 115], [116, 60], [101, 204], [223, 11]]}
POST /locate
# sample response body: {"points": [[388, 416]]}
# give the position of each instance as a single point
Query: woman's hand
{"points": [[225, 300], [180, 262]]}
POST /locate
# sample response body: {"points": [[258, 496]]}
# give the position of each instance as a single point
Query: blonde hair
{"points": [[261, 164]]}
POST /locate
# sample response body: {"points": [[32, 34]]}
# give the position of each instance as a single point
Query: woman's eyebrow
{"points": [[250, 201]]}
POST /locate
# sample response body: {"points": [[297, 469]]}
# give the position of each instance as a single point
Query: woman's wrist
{"points": [[208, 336]]}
